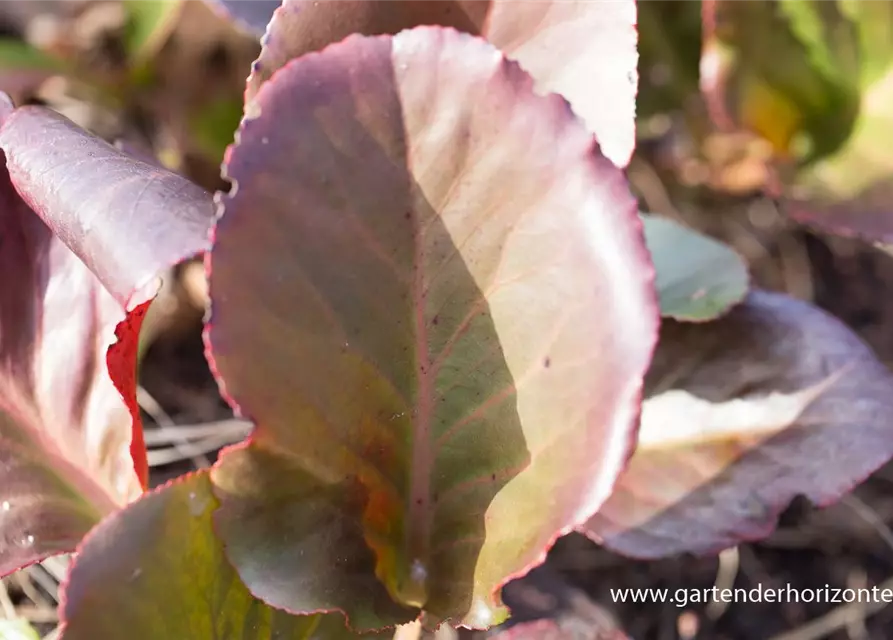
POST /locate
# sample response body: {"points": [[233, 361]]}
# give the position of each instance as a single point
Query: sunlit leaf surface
{"points": [[434, 299]]}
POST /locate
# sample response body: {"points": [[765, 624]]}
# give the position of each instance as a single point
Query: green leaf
{"points": [[697, 278], [431, 294], [157, 570], [148, 23], [851, 192], [787, 72], [214, 125]]}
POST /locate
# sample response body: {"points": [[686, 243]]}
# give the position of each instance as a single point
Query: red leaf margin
{"points": [[165, 233]]}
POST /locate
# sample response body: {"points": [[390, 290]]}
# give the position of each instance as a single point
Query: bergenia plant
{"points": [[432, 296]]}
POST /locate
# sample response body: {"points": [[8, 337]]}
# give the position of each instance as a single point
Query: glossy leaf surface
{"points": [[157, 570], [584, 50], [816, 80], [742, 414], [698, 278], [128, 220], [453, 302], [64, 430]]}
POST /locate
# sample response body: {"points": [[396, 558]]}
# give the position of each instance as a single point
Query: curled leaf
{"points": [[64, 431], [583, 50], [774, 400], [434, 300], [698, 278], [160, 554], [127, 220]]}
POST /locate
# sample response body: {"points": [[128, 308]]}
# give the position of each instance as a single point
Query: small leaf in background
{"points": [[742, 414], [214, 125], [815, 79], [440, 331], [778, 76], [562, 43], [148, 24], [851, 192], [65, 433], [697, 278], [17, 629], [22, 67], [157, 569]]}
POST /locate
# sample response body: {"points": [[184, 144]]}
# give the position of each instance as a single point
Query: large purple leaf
{"points": [[774, 400], [64, 431], [584, 50], [157, 569], [434, 300]]}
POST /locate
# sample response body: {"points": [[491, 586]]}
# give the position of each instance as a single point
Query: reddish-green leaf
{"points": [[584, 50], [64, 430], [744, 413], [157, 570], [434, 300]]}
